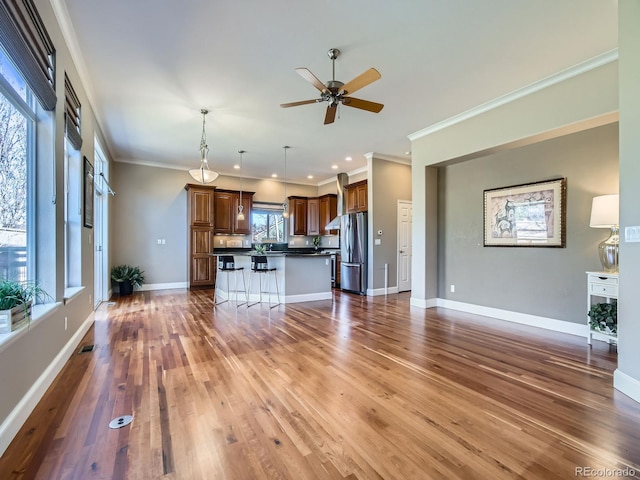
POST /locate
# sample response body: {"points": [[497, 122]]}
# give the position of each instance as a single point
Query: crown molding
{"points": [[571, 72]]}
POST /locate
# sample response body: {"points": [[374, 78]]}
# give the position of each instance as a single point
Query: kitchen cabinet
{"points": [[357, 197], [201, 215], [313, 216], [328, 211], [297, 215], [226, 212]]}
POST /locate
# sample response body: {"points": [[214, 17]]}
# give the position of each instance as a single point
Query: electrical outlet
{"points": [[159, 242], [164, 241], [307, 242], [292, 243], [377, 241], [220, 242], [453, 289], [326, 261]]}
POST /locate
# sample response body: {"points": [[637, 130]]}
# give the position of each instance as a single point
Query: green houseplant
{"points": [[16, 299], [127, 277], [603, 317], [316, 242]]}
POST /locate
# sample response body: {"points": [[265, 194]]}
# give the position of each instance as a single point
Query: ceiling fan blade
{"points": [[331, 114], [295, 104], [312, 79], [360, 81], [362, 104]]}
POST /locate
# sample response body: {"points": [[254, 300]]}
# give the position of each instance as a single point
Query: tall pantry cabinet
{"points": [[200, 205]]}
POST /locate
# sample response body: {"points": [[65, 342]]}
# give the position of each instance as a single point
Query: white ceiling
{"points": [[153, 64]]}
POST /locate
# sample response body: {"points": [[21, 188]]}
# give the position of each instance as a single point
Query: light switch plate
{"points": [[632, 234], [378, 241]]}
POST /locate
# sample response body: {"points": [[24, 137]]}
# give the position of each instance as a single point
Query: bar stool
{"points": [[227, 264], [260, 266]]}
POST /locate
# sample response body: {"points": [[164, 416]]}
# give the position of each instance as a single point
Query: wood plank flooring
{"points": [[358, 388]]}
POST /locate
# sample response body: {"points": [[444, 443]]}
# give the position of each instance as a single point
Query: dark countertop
{"points": [[309, 252]]}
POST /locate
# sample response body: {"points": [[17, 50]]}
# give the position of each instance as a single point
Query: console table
{"points": [[602, 287]]}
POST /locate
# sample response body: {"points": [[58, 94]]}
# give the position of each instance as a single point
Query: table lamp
{"points": [[604, 214]]}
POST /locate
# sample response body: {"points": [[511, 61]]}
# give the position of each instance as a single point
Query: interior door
{"points": [[405, 214]]}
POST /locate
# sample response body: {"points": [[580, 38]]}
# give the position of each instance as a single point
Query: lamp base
{"points": [[608, 251]]}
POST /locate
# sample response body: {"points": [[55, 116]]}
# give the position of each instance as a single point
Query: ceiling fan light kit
{"points": [[203, 174], [335, 92]]}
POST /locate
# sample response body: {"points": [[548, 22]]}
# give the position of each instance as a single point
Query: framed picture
{"points": [[530, 215], [87, 197]]}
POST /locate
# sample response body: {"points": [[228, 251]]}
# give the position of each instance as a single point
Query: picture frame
{"points": [[527, 215], [87, 196]]}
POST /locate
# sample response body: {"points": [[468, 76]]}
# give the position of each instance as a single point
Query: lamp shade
{"points": [[203, 175], [604, 211]]}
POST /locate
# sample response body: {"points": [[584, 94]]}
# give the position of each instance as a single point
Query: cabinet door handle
{"points": [[603, 278]]}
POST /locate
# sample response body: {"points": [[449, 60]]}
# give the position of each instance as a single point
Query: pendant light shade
{"points": [[240, 215], [203, 174], [285, 205]]}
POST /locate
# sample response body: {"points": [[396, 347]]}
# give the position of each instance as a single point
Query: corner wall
{"points": [[546, 282]]}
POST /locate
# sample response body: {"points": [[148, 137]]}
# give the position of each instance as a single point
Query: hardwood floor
{"points": [[358, 388]]}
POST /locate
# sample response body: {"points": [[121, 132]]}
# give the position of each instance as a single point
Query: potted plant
{"points": [[316, 242], [603, 317], [127, 277], [16, 299], [259, 248]]}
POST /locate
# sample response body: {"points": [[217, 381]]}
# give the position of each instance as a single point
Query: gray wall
{"points": [[388, 182], [629, 305], [548, 282], [151, 204]]}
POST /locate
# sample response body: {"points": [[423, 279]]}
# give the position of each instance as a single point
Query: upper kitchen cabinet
{"points": [[226, 212], [297, 215], [201, 199], [357, 197], [313, 216], [328, 211]]}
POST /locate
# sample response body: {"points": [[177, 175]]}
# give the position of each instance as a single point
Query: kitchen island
{"points": [[302, 277]]}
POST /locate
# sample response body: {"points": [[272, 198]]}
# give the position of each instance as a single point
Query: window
{"points": [[267, 226], [72, 216], [17, 140]]}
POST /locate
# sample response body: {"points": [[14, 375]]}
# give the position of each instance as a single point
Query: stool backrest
{"points": [[226, 262], [259, 262]]}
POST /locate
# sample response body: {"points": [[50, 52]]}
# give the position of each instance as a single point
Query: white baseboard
{"points": [[374, 292], [626, 384], [254, 297], [309, 297], [25, 406], [517, 317], [423, 303], [163, 286]]}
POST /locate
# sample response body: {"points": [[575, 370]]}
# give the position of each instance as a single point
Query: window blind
{"points": [[72, 114], [27, 43]]}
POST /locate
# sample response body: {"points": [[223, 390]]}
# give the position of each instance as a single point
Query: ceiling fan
{"points": [[335, 92]]}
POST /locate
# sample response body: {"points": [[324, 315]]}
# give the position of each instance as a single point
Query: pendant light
{"points": [[285, 205], [203, 174], [240, 215]]}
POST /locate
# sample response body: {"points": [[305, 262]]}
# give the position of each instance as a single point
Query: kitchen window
{"points": [[267, 225]]}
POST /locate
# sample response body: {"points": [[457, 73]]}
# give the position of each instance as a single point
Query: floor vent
{"points": [[120, 422], [87, 349]]}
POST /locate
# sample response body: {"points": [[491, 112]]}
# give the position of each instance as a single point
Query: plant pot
{"points": [[126, 288], [15, 318]]}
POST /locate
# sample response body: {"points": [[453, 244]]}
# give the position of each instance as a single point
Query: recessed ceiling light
{"points": [[237, 167], [335, 167], [348, 159], [274, 175], [309, 176]]}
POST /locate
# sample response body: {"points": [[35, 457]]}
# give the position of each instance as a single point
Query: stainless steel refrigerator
{"points": [[353, 252]]}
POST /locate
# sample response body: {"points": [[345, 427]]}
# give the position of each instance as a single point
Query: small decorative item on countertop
{"points": [[316, 242]]}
